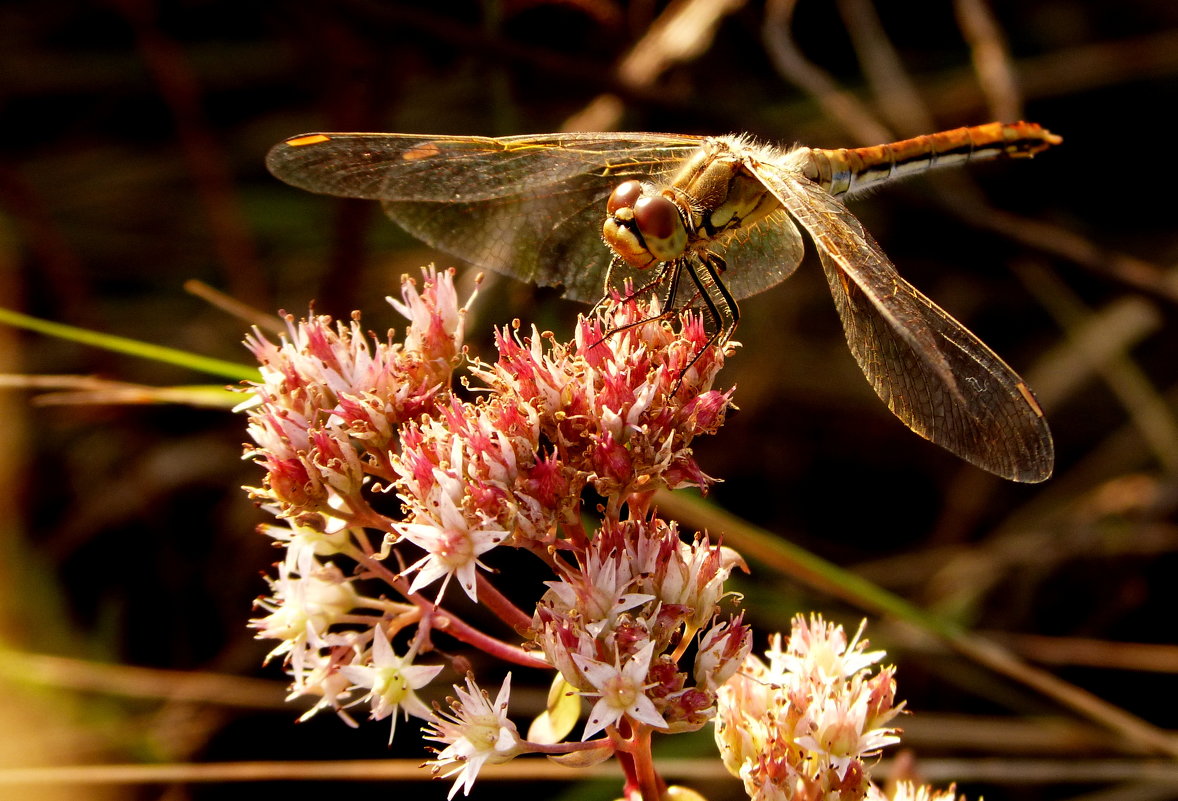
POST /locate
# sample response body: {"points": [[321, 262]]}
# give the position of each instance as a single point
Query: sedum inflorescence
{"points": [[635, 619]]}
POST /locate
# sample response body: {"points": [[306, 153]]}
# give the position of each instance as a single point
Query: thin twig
{"points": [[838, 104], [991, 59], [682, 33], [233, 307]]}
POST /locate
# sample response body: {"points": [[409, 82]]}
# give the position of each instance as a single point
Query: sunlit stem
{"points": [[449, 623], [649, 784], [504, 609]]}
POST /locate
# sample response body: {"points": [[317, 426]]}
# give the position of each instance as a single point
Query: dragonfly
{"points": [[713, 220]]}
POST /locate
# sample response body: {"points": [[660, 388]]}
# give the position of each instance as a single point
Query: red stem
{"points": [[650, 784], [449, 623], [494, 600]]}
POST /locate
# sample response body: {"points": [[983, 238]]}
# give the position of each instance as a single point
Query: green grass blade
{"points": [[231, 371]]}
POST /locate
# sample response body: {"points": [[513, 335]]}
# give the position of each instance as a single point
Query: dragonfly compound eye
{"points": [[661, 226], [621, 230], [624, 196]]}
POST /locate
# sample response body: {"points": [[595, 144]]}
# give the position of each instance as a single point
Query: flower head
{"points": [[328, 395], [801, 724], [476, 732], [621, 692], [391, 681]]}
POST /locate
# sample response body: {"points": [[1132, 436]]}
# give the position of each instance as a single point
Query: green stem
{"points": [[144, 350]]}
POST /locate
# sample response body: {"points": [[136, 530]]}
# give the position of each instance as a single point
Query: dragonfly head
{"points": [[643, 226]]}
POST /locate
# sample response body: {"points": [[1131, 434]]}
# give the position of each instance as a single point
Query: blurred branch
{"points": [[1094, 338], [1065, 72], [682, 33], [1090, 652], [1102, 349], [992, 63], [837, 103], [895, 92], [1058, 241], [80, 675]]}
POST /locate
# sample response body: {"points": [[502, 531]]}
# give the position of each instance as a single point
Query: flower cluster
{"points": [[340, 422], [617, 623], [325, 415], [799, 724], [636, 619]]}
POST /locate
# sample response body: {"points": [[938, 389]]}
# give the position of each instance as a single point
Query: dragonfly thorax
{"points": [[713, 193]]}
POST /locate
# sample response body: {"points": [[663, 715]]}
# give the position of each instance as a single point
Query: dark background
{"points": [[133, 142]]}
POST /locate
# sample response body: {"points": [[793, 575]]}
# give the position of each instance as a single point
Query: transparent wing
{"points": [[466, 168], [550, 239], [528, 206], [935, 375], [760, 257]]}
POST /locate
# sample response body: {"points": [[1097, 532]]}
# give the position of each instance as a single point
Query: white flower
{"points": [[476, 732], [622, 691], [390, 681], [837, 729], [821, 650], [453, 548], [303, 607]]}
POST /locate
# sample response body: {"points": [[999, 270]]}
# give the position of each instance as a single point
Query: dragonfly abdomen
{"points": [[846, 171]]}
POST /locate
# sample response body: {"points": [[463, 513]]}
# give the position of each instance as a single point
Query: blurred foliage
{"points": [[134, 138]]}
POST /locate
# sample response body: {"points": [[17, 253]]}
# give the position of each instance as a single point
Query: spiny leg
{"points": [[721, 307], [669, 273], [706, 269]]}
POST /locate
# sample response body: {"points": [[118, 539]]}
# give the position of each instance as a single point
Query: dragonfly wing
{"points": [[550, 239], [762, 256], [467, 168], [936, 376], [528, 206]]}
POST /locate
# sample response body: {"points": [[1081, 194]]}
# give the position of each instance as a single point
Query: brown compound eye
{"points": [[661, 225], [657, 217], [624, 196]]}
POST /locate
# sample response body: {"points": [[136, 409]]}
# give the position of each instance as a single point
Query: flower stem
{"points": [[494, 600], [650, 784]]}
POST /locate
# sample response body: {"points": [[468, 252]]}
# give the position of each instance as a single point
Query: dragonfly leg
{"points": [[609, 275], [722, 308], [670, 273], [719, 305]]}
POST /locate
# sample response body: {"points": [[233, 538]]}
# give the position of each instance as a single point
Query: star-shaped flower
{"points": [[622, 691]]}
